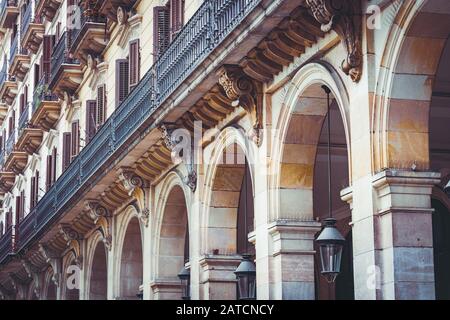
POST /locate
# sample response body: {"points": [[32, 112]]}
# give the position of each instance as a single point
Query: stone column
{"points": [[293, 259], [167, 289], [217, 278], [404, 235]]}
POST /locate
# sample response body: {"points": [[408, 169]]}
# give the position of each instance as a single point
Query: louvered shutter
{"points": [[122, 80], [37, 74], [101, 105], [134, 65], [91, 119], [75, 138], [47, 56], [32, 191], [49, 172], [161, 29], [25, 96], [21, 103], [176, 17], [54, 158], [67, 138], [13, 120]]}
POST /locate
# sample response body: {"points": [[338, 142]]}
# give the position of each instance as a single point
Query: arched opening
{"points": [[98, 286], [173, 246], [343, 287], [131, 263], [231, 219], [51, 291]]}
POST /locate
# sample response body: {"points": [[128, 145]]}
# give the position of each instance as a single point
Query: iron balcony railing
{"points": [[60, 56], [9, 146], [3, 76], [13, 49], [42, 93], [26, 20], [198, 38], [7, 243], [2, 159], [85, 22], [24, 118]]}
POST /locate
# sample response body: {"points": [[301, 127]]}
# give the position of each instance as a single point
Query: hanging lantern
{"points": [[246, 279], [185, 277], [331, 243]]}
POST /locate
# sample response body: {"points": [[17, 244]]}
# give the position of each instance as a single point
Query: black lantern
{"points": [[331, 243], [185, 277], [246, 277], [330, 240]]}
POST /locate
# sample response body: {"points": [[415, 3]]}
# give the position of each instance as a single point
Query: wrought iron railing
{"points": [[85, 21], [198, 38], [60, 56], [3, 77], [7, 243], [42, 93], [26, 20], [24, 119], [2, 159], [9, 146], [13, 49]]}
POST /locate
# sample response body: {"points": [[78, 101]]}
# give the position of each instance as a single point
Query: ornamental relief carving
{"points": [[345, 18]]}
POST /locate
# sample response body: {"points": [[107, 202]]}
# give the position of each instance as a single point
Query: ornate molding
{"points": [[144, 216], [191, 179], [245, 92], [104, 226], [96, 210], [68, 232], [168, 137], [345, 18], [131, 180]]}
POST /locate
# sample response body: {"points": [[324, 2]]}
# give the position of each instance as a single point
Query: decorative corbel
{"points": [[34, 274], [131, 181], [53, 259], [245, 92], [73, 239], [144, 216], [122, 16], [191, 179], [96, 210], [345, 18], [169, 139]]}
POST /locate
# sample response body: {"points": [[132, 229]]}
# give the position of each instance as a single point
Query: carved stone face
{"points": [[121, 16]]}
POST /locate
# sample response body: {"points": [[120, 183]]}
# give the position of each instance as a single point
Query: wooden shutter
{"points": [[176, 17], [9, 219], [161, 29], [47, 55], [32, 191], [91, 119], [49, 172], [37, 74], [75, 138], [134, 65], [122, 80], [67, 139], [101, 105], [54, 158], [22, 204], [19, 215], [25, 95], [13, 119], [21, 103]]}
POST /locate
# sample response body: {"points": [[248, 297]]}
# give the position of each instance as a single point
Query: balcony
{"points": [[32, 30], [19, 60], [15, 160], [8, 13], [30, 138], [46, 107], [133, 116], [7, 243], [6, 178], [90, 39], [8, 87], [109, 7], [66, 74], [47, 8]]}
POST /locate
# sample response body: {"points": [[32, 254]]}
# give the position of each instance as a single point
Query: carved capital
{"points": [[345, 18], [245, 92], [169, 139], [104, 226], [144, 216], [96, 210], [191, 180]]}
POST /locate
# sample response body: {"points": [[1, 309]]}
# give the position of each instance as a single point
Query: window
{"points": [[91, 119], [20, 206], [34, 191], [101, 106], [67, 149], [75, 138], [161, 29], [134, 63], [122, 80], [46, 59], [51, 168], [176, 17]]}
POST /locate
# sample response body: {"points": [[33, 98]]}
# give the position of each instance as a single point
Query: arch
{"points": [[303, 111], [49, 289], [222, 187], [97, 278], [404, 90], [130, 255], [32, 292]]}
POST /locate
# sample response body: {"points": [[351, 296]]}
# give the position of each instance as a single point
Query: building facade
{"points": [[139, 137]]}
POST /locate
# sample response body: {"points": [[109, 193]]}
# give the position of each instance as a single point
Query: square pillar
{"points": [[292, 263], [217, 278], [404, 234]]}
